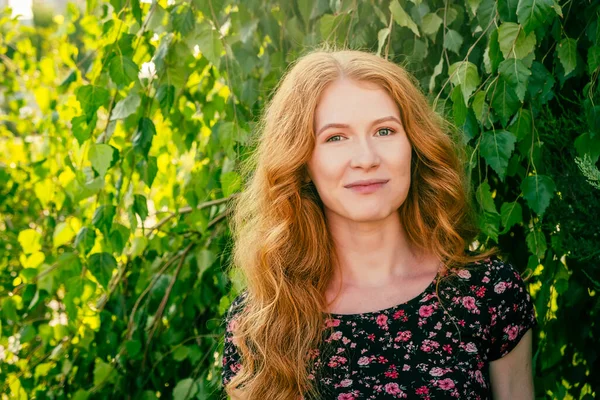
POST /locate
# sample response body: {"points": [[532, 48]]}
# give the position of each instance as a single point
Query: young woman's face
{"points": [[359, 136]]}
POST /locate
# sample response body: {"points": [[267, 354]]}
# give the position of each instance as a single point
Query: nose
{"points": [[364, 155]]}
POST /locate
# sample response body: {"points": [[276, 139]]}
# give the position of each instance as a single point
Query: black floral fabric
{"points": [[419, 349]]}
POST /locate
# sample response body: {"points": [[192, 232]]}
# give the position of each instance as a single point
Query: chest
{"points": [[357, 301]]}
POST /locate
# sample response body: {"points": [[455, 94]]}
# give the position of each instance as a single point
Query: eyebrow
{"points": [[375, 122]]}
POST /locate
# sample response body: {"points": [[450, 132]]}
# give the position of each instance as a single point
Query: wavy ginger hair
{"points": [[282, 245]]}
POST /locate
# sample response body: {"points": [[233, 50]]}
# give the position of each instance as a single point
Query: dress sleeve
{"points": [[511, 308], [231, 358]]}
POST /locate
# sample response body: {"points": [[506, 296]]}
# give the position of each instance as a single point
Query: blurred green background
{"points": [[122, 126]]}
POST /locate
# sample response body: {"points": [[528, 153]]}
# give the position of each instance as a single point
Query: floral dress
{"points": [[416, 349]]}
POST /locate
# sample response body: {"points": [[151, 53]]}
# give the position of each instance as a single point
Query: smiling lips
{"points": [[366, 186], [366, 182]]}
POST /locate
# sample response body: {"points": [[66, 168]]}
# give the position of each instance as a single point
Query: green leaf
{"points": [[122, 70], [481, 108], [567, 54], [593, 59], [181, 353], [147, 168], [62, 235], [103, 373], [230, 182], [381, 36], [459, 107], [85, 239], [523, 124], [538, 190], [431, 23], [142, 139], [453, 41], [489, 223], [585, 144], [101, 265], [507, 10], [473, 5], [185, 389], [209, 43], [204, 259], [30, 241], [101, 156], [402, 18], [536, 242], [140, 206], [533, 13], [133, 347], [82, 128], [504, 101], [436, 72], [514, 42], [305, 7], [516, 74], [91, 98], [126, 107], [464, 73], [496, 148], [511, 214], [541, 84], [166, 97], [485, 199], [183, 18], [492, 55], [103, 217]]}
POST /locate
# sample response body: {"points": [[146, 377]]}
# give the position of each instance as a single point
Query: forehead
{"points": [[348, 101]]}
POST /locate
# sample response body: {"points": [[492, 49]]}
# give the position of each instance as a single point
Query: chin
{"points": [[367, 216]]}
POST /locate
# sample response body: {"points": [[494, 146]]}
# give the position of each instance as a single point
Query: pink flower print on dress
{"points": [[471, 347], [469, 302], [479, 378], [332, 322], [463, 273], [446, 384], [393, 388], [500, 287], [437, 371], [403, 336], [382, 321], [422, 390], [425, 311], [337, 335], [512, 331], [346, 396], [345, 383], [364, 360], [334, 361], [429, 345]]}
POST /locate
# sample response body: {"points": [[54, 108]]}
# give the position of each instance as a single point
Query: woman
{"points": [[352, 239]]}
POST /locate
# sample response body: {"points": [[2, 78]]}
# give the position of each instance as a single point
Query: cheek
{"points": [[326, 167]]}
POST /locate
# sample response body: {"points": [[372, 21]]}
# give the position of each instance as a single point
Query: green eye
{"points": [[386, 129]]}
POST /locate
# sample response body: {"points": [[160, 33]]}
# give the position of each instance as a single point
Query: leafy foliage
{"points": [[121, 127]]}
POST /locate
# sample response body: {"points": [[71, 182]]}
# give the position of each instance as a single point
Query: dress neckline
{"points": [[394, 308]]}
